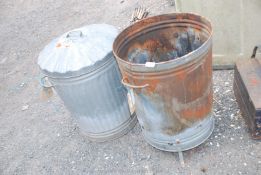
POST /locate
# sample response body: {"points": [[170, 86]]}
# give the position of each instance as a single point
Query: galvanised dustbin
{"points": [[83, 71]]}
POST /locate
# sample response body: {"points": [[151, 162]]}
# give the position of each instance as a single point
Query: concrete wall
{"points": [[236, 25]]}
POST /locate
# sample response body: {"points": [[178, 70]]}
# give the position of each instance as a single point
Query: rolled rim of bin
{"points": [[202, 129], [85, 70], [113, 134], [154, 23]]}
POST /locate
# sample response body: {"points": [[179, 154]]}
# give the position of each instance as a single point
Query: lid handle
{"points": [[74, 34]]}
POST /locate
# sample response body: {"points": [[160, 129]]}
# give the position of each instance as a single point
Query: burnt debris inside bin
{"points": [[160, 48]]}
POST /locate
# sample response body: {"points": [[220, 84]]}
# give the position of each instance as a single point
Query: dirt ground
{"points": [[40, 137]]}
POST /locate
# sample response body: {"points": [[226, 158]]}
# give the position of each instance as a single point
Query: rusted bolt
{"points": [[176, 35]]}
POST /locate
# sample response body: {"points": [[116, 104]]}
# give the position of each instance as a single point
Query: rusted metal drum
{"points": [[171, 79]]}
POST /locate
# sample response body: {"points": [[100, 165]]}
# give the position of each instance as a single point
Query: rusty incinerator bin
{"points": [[166, 61]]}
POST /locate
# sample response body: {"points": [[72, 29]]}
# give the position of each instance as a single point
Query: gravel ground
{"points": [[40, 137]]}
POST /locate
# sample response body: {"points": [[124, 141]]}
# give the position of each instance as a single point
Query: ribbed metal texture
{"points": [[98, 101]]}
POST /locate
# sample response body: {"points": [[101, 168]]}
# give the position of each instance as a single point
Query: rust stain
{"points": [[200, 110], [253, 81], [153, 83], [58, 45]]}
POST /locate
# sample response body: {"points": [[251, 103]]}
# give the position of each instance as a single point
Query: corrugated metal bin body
{"points": [[173, 99], [93, 94], [97, 100]]}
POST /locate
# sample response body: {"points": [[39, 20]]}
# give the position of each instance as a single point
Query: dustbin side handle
{"points": [[133, 86], [45, 83]]}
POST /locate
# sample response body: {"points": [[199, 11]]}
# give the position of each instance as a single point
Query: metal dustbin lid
{"points": [[78, 51]]}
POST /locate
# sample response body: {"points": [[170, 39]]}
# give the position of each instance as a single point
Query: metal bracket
{"points": [[254, 51]]}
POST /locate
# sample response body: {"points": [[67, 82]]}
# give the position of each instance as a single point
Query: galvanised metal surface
{"points": [[97, 99], [173, 98]]}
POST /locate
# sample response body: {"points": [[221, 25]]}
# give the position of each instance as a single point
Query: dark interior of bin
{"points": [[162, 44]]}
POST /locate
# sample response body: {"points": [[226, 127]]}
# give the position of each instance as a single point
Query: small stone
{"points": [[107, 157], [226, 83], [133, 163], [218, 145], [73, 162], [232, 139], [245, 164], [241, 138], [227, 91], [148, 157], [25, 107], [22, 84], [58, 135], [31, 156], [232, 125], [259, 161], [210, 143]]}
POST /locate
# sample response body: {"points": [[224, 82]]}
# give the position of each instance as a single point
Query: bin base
{"points": [[115, 133], [186, 140]]}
